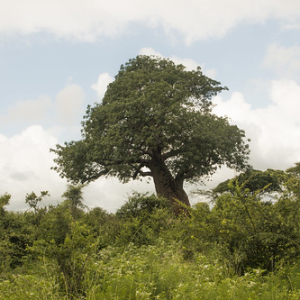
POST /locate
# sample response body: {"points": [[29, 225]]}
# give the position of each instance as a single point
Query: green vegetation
{"points": [[245, 245], [156, 120]]}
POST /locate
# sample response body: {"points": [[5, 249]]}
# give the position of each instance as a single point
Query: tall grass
{"points": [[157, 272]]}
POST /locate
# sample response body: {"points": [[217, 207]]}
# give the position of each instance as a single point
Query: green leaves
{"points": [[32, 199], [155, 116], [4, 200], [153, 105], [145, 252], [255, 182]]}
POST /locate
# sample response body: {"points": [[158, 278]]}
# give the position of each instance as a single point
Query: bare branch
{"points": [[94, 176], [145, 174]]}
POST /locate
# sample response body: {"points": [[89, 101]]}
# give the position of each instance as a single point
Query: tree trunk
{"points": [[166, 186]]}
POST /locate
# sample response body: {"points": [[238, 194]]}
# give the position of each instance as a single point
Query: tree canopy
{"points": [[155, 120]]}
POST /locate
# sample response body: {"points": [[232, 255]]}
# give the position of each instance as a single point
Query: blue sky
{"points": [[56, 57]]}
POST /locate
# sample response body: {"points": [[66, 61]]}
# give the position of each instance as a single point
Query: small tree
{"points": [[74, 198], [293, 182], [32, 199], [253, 229], [4, 200], [155, 120]]}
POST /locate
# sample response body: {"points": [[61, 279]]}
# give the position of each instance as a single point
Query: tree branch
{"points": [[171, 153], [182, 175], [94, 176], [140, 172]]}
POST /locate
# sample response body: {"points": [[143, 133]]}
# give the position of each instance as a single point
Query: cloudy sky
{"points": [[58, 56]]}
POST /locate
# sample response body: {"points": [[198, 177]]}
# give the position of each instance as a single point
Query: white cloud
{"points": [[274, 130], [69, 103], [190, 64], [150, 51], [63, 114], [110, 193], [25, 163], [284, 61], [28, 110], [88, 20], [100, 87]]}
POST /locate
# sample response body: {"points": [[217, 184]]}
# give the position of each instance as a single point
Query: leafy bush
{"points": [[242, 248]]}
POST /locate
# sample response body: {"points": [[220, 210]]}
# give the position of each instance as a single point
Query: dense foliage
{"points": [[244, 245], [155, 120]]}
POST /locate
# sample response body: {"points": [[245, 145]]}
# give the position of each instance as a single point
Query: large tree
{"points": [[155, 120]]}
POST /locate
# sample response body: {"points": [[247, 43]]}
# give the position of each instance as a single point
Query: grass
{"points": [[157, 272]]}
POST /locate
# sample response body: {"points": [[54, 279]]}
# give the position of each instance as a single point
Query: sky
{"points": [[58, 56]]}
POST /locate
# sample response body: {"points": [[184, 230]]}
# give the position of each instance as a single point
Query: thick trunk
{"points": [[166, 186]]}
